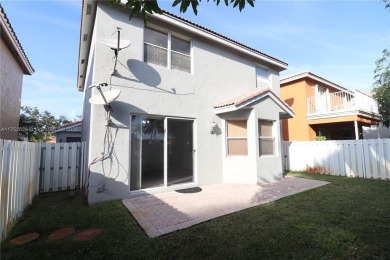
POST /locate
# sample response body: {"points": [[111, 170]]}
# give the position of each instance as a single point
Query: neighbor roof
{"points": [[308, 74], [69, 126], [87, 23], [11, 40], [249, 98]]}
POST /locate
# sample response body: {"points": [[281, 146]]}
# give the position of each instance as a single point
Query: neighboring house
{"points": [[323, 108], [376, 132], [196, 108], [69, 133], [13, 64]]}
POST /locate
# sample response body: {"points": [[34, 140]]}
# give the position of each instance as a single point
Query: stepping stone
{"points": [[23, 239], [87, 234], [61, 233]]}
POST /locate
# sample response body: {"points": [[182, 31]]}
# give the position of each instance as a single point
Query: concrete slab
{"points": [[163, 213]]}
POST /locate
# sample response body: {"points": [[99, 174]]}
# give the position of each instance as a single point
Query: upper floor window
{"points": [[236, 137], [165, 49], [262, 77]]}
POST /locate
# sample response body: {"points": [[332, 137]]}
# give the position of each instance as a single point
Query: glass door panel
{"points": [[147, 152], [180, 151]]}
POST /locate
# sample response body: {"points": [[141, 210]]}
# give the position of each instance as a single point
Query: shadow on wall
{"points": [[143, 73], [121, 113]]}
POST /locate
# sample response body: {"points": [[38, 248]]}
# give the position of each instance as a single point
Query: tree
{"points": [[36, 126], [146, 7], [382, 86], [382, 82]]}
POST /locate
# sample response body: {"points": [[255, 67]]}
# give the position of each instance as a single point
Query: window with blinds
{"points": [[236, 137], [262, 77], [266, 138], [166, 50]]}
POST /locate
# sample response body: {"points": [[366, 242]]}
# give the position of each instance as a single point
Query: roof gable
{"points": [[310, 75], [249, 98], [9, 36], [88, 20]]}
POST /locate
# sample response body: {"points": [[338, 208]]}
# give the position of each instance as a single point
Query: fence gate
{"points": [[62, 166]]}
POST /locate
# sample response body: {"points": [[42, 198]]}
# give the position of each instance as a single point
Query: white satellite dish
{"points": [[104, 98], [113, 43]]}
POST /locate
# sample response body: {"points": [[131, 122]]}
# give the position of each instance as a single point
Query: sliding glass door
{"points": [[180, 151], [161, 152]]}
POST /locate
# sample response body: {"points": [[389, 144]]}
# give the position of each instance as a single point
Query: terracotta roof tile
{"points": [[7, 23], [241, 99], [224, 37]]}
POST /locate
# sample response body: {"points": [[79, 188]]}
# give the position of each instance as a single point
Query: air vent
{"points": [[81, 76], [89, 9], [85, 37], [82, 61]]}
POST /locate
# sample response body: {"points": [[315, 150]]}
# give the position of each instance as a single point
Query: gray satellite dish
{"points": [[104, 98], [113, 43]]}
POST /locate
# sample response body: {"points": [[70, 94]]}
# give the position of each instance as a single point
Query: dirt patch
{"points": [[87, 234], [61, 233], [23, 239]]}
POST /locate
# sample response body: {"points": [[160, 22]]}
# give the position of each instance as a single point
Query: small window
{"points": [[156, 47], [266, 138], [262, 77], [236, 137], [180, 54], [157, 50]]}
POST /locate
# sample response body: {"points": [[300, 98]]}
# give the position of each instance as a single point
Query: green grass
{"points": [[347, 219]]}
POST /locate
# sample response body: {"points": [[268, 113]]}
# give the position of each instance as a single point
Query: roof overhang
{"points": [[88, 14], [307, 74], [11, 40], [246, 100]]}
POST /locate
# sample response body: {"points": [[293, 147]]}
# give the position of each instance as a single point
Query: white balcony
{"points": [[343, 102]]}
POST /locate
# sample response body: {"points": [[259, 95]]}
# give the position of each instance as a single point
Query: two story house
{"points": [[323, 108], [195, 107], [13, 65]]}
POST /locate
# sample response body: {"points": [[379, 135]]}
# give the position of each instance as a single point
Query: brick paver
{"points": [[163, 213]]}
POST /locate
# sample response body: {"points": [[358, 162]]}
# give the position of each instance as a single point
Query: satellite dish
{"points": [[104, 98], [113, 43]]}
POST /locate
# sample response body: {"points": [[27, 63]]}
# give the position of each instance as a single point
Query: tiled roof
{"points": [[6, 23], [65, 127], [240, 102], [304, 74], [241, 99], [224, 37]]}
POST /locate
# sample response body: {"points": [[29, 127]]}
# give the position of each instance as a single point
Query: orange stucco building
{"points": [[323, 108]]}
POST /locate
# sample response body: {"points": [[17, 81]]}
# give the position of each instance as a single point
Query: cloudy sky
{"points": [[338, 40]]}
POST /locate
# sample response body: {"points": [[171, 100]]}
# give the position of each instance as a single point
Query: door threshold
{"points": [[158, 190]]}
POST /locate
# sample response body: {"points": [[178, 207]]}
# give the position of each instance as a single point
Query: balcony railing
{"points": [[350, 100]]}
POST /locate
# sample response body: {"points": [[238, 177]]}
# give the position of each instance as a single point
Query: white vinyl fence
{"points": [[61, 166], [368, 158], [29, 168]]}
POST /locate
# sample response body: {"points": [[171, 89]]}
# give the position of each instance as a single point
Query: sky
{"points": [[337, 40]]}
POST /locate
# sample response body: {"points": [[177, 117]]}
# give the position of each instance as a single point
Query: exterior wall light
{"points": [[213, 125]]}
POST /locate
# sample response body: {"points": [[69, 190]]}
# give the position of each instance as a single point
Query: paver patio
{"points": [[163, 213]]}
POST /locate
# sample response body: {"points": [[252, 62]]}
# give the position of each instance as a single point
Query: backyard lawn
{"points": [[349, 218]]}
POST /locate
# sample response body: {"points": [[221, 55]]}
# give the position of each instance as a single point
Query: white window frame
{"points": [[169, 48], [273, 137], [261, 81]]}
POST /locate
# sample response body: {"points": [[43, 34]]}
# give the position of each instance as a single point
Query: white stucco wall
{"points": [[269, 167], [218, 74]]}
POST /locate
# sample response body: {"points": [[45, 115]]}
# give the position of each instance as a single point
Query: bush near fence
{"points": [[29, 168], [352, 158]]}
